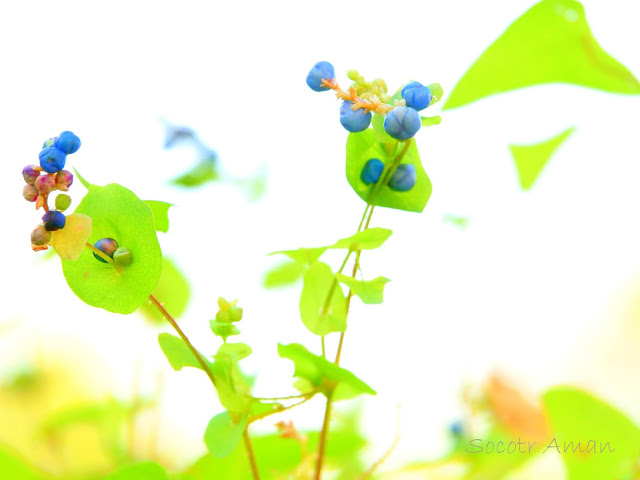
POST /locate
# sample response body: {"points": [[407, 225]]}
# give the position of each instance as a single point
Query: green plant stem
{"points": [[369, 208], [250, 454]]}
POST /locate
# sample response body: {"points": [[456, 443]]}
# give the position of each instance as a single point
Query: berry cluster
{"points": [[364, 99], [402, 120], [44, 179]]}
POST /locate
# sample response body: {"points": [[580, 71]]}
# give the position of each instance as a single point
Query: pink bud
{"points": [[64, 178], [45, 183]]}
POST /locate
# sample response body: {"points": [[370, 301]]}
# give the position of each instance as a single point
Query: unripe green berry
{"points": [[40, 236], [63, 201], [122, 257]]}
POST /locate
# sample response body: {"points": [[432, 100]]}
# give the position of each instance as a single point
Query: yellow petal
{"points": [[70, 241]]}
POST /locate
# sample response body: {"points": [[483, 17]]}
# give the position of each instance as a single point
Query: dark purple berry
{"points": [[108, 246], [54, 220]]}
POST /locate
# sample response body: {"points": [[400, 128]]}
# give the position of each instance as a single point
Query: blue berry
{"points": [[54, 220], [354, 120], [403, 179], [416, 95], [68, 142], [402, 123], [371, 171], [319, 71], [52, 159], [108, 246]]}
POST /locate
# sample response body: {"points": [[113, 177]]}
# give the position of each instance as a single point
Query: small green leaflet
{"points": [[160, 212], [579, 417], [362, 147], [174, 291], [203, 172], [284, 274], [178, 353], [84, 182], [223, 434], [304, 256], [323, 374], [550, 43], [430, 121], [368, 239], [318, 315], [531, 159], [116, 213], [139, 471], [370, 292]]}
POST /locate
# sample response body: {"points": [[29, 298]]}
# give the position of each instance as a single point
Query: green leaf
{"points": [[116, 213], [283, 274], [173, 290], [579, 417], [204, 172], [13, 467], [232, 386], [178, 353], [304, 256], [160, 211], [368, 239], [430, 121], [326, 376], [319, 315], [362, 147], [379, 132], [370, 292], [550, 43], [82, 179], [223, 434], [531, 159], [139, 471]]}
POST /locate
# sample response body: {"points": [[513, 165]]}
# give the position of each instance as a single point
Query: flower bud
{"points": [[63, 202], [45, 184], [30, 193], [403, 179], [371, 171], [40, 236], [122, 257], [64, 179], [29, 173]]}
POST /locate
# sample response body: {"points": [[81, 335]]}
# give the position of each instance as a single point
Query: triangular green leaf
{"points": [[583, 419], [304, 256], [370, 292], [368, 239], [531, 159], [323, 306], [173, 290], [178, 353], [223, 434], [83, 181], [550, 43], [160, 212], [283, 274], [323, 374], [116, 213], [363, 146]]}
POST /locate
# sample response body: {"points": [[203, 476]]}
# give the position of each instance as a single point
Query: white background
{"points": [[535, 286]]}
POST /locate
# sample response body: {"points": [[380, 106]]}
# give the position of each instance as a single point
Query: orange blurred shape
{"points": [[520, 413]]}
